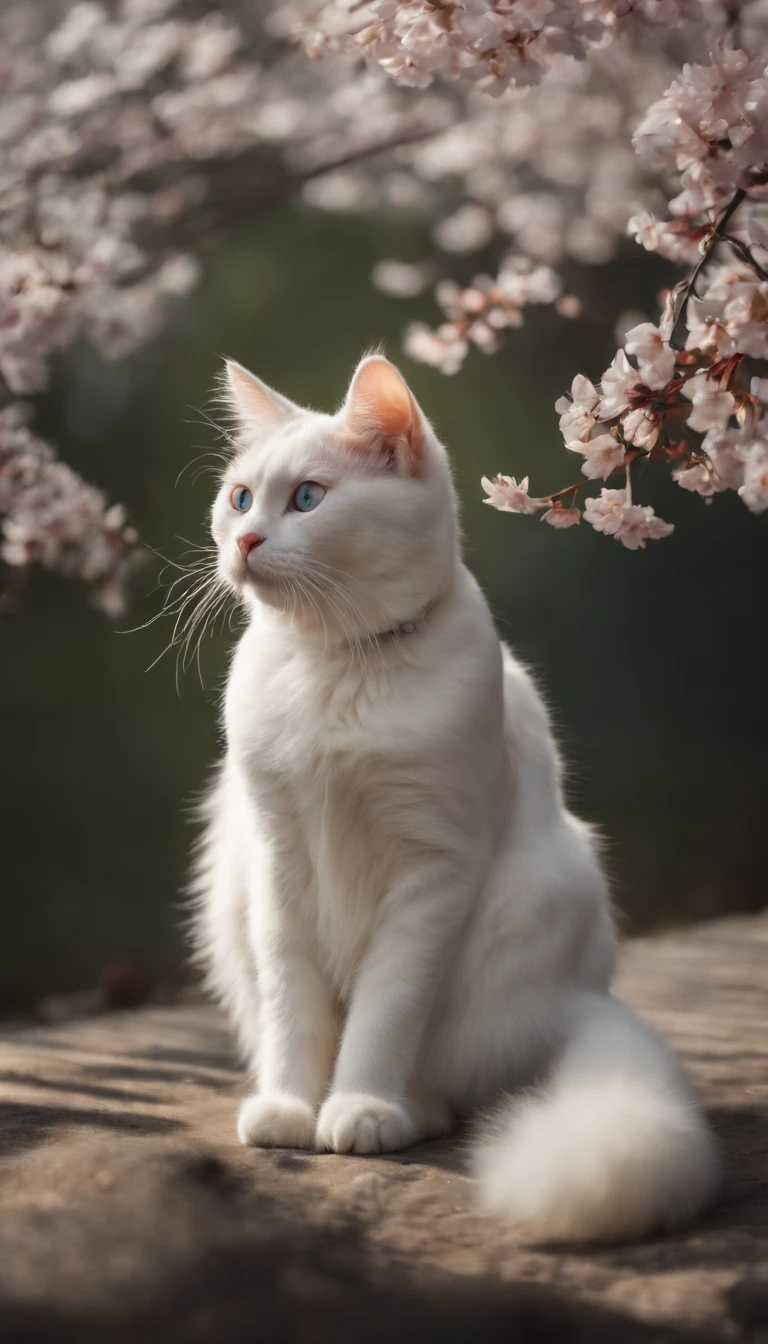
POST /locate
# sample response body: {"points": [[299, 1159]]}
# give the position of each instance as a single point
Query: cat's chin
{"points": [[271, 589], [259, 581]]}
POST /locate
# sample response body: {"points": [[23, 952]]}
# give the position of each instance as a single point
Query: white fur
{"points": [[400, 915]]}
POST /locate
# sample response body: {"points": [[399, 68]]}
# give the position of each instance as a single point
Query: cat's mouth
{"points": [[257, 571]]}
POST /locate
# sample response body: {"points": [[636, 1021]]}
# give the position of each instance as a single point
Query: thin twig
{"points": [[744, 252], [571, 489], [215, 214], [687, 287], [6, 395]]}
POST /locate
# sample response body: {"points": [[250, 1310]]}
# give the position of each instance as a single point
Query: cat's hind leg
{"points": [[219, 925]]}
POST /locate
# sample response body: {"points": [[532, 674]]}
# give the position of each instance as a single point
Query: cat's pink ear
{"points": [[254, 404], [382, 414]]}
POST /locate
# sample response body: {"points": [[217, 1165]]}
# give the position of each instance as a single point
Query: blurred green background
{"points": [[653, 662]]}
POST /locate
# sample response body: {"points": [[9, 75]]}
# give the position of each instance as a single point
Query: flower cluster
{"points": [[550, 168], [478, 314], [689, 409], [692, 399], [491, 44], [711, 127], [132, 129], [129, 129], [52, 518], [611, 512]]}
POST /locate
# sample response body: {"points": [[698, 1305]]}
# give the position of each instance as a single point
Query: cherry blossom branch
{"points": [[744, 252], [133, 132], [688, 402], [629, 457], [229, 196], [478, 314], [688, 286]]}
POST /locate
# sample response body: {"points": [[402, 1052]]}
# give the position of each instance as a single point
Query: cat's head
{"points": [[346, 520]]}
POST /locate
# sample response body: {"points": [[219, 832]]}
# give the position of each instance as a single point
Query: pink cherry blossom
{"points": [[504, 493], [641, 428], [640, 524], [606, 511], [52, 518], [491, 43], [402, 279], [712, 405], [665, 237], [558, 516], [616, 383], [444, 349], [754, 491], [707, 330], [602, 455], [578, 412], [655, 358], [726, 449], [613, 513], [470, 228], [130, 130], [698, 480]]}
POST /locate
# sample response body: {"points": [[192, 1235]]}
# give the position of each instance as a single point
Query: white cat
{"points": [[400, 915]]}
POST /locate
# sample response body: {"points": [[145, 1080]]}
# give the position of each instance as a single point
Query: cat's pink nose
{"points": [[248, 542]]}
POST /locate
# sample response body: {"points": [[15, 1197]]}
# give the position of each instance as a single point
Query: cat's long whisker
{"points": [[222, 457], [209, 623], [195, 574], [208, 470], [199, 620], [173, 640], [204, 583], [170, 564], [185, 652], [210, 549], [179, 605], [196, 619], [208, 422], [169, 606]]}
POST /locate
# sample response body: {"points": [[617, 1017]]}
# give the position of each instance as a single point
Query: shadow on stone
{"points": [[284, 1285], [22, 1124]]}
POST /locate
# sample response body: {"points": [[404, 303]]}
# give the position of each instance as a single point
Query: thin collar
{"points": [[406, 627]]}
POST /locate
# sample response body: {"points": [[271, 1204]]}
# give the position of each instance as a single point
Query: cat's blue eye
{"points": [[241, 498], [308, 496]]}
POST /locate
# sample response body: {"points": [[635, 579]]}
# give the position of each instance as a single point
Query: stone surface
{"points": [[128, 1211]]}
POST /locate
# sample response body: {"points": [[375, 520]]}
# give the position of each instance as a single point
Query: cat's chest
{"points": [[290, 721], [304, 745]]}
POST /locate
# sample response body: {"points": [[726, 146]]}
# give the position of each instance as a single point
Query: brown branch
{"points": [[588, 480], [732, 21], [232, 198], [687, 287], [744, 252], [6, 394]]}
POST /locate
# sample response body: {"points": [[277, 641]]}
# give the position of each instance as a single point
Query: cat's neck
{"points": [[332, 630], [411, 626]]}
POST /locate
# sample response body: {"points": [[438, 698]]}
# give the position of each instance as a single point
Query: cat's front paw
{"points": [[352, 1122], [275, 1120]]}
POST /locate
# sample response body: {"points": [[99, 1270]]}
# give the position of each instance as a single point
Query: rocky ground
{"points": [[129, 1212]]}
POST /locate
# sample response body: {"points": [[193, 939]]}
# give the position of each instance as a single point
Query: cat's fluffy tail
{"points": [[613, 1146]]}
